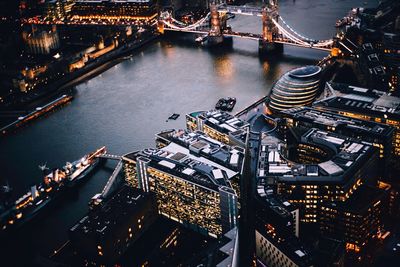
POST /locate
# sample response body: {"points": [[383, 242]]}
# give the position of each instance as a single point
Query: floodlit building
{"points": [[378, 134], [114, 10], [219, 125], [356, 220], [190, 189], [42, 40], [365, 104], [315, 167], [296, 88]]}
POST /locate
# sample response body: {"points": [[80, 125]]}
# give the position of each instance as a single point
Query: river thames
{"points": [[126, 105]]}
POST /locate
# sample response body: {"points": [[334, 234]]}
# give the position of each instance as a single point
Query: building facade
{"points": [[313, 178], [108, 230], [364, 104], [218, 125], [56, 10], [356, 220], [190, 190], [121, 10], [378, 134]]}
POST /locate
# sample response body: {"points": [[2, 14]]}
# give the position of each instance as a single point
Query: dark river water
{"points": [[126, 105]]}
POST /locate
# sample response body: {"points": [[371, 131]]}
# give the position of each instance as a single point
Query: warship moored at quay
{"points": [[54, 185]]}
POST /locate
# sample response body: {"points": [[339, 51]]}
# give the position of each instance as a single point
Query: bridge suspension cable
{"points": [[297, 38], [320, 43], [293, 31], [188, 27], [178, 22], [287, 32]]}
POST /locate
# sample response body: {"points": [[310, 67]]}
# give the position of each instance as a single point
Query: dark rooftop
{"points": [[348, 155], [305, 72], [359, 100], [327, 118], [177, 160], [111, 213]]}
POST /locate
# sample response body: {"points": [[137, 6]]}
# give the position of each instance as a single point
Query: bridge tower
{"points": [[215, 35], [269, 30], [160, 26], [163, 16]]}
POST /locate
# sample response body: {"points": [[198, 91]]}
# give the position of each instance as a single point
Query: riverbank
{"points": [[91, 69], [62, 86]]}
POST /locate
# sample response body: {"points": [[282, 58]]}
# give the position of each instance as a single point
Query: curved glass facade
{"points": [[295, 88]]}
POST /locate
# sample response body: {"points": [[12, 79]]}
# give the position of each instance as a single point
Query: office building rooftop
{"points": [[359, 100], [113, 212], [280, 207], [178, 160], [200, 144], [315, 116], [347, 155], [223, 122]]}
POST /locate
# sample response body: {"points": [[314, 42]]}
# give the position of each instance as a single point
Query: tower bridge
{"points": [[274, 34]]}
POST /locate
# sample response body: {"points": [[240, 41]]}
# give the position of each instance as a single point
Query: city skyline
{"points": [[199, 133]]}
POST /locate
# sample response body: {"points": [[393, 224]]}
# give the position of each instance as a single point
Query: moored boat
{"points": [[41, 196]]}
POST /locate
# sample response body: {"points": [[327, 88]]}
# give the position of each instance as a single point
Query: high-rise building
{"points": [[219, 125], [191, 190], [280, 210], [315, 167], [378, 134], [365, 104], [391, 56], [199, 144], [130, 10], [108, 230], [356, 220], [277, 231]]}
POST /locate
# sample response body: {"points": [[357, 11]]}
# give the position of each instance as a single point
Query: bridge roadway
{"points": [[241, 10], [251, 36]]}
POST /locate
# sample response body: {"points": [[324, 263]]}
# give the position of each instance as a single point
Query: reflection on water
{"points": [[224, 68], [266, 67]]}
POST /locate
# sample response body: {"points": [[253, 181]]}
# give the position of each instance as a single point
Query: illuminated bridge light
{"points": [[295, 88]]}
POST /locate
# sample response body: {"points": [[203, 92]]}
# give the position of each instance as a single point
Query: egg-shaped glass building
{"points": [[298, 87]]}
